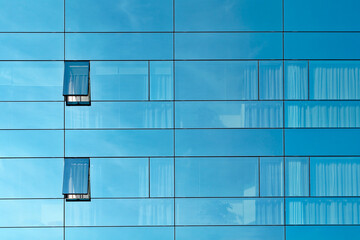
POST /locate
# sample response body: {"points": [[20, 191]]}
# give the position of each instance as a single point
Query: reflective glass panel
{"points": [[322, 232], [161, 177], [216, 80], [229, 211], [297, 176], [296, 80], [271, 176], [271, 80], [76, 176], [217, 177], [76, 79], [228, 114], [161, 80], [32, 233]]}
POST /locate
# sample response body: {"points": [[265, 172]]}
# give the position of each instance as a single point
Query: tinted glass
{"points": [[31, 81], [272, 176], [228, 114], [76, 78], [118, 46], [216, 80], [119, 177], [112, 15], [25, 46], [322, 233], [297, 176], [121, 115], [32, 115], [335, 176], [228, 45], [17, 178], [229, 211], [119, 80], [296, 80], [120, 212], [229, 142], [76, 176], [161, 80], [271, 80], [113, 143], [217, 177], [32, 233], [161, 177], [217, 15]]}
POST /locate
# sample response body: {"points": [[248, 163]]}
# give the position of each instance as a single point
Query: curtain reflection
{"points": [[296, 81]]}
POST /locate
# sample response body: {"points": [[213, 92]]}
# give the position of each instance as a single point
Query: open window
{"points": [[76, 185], [77, 83]]}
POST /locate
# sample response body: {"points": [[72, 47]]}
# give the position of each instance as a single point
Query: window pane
{"points": [[26, 46], [112, 15], [271, 176], [31, 81], [217, 177], [271, 80], [32, 115], [161, 177], [296, 80], [335, 80], [216, 80], [230, 233], [228, 114], [31, 213], [31, 178], [229, 142], [229, 211], [322, 211], [161, 80], [76, 176], [118, 46], [119, 177], [322, 233], [32, 233], [121, 115], [120, 212], [115, 143], [335, 176], [76, 79], [119, 80], [228, 45], [217, 15], [312, 114], [297, 176]]}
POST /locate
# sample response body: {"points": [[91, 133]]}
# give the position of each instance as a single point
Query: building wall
{"points": [[216, 119]]}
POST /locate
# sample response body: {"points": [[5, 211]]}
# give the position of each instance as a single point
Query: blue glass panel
{"points": [[228, 114], [118, 46], [314, 15], [322, 233], [120, 212], [161, 80], [322, 45], [322, 211], [112, 15], [121, 115], [32, 143], [230, 233], [229, 211], [32, 46], [335, 80], [120, 233], [271, 176], [32, 233], [31, 81], [228, 45], [216, 80], [119, 80], [76, 176], [76, 78], [218, 15], [297, 176], [296, 80], [31, 178], [119, 177], [314, 142], [34, 16], [217, 177], [318, 114], [32, 115], [161, 177], [332, 176], [113, 143], [31, 213], [229, 142], [271, 80]]}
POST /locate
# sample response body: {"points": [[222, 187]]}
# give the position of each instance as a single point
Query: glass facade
{"points": [[208, 119]]}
